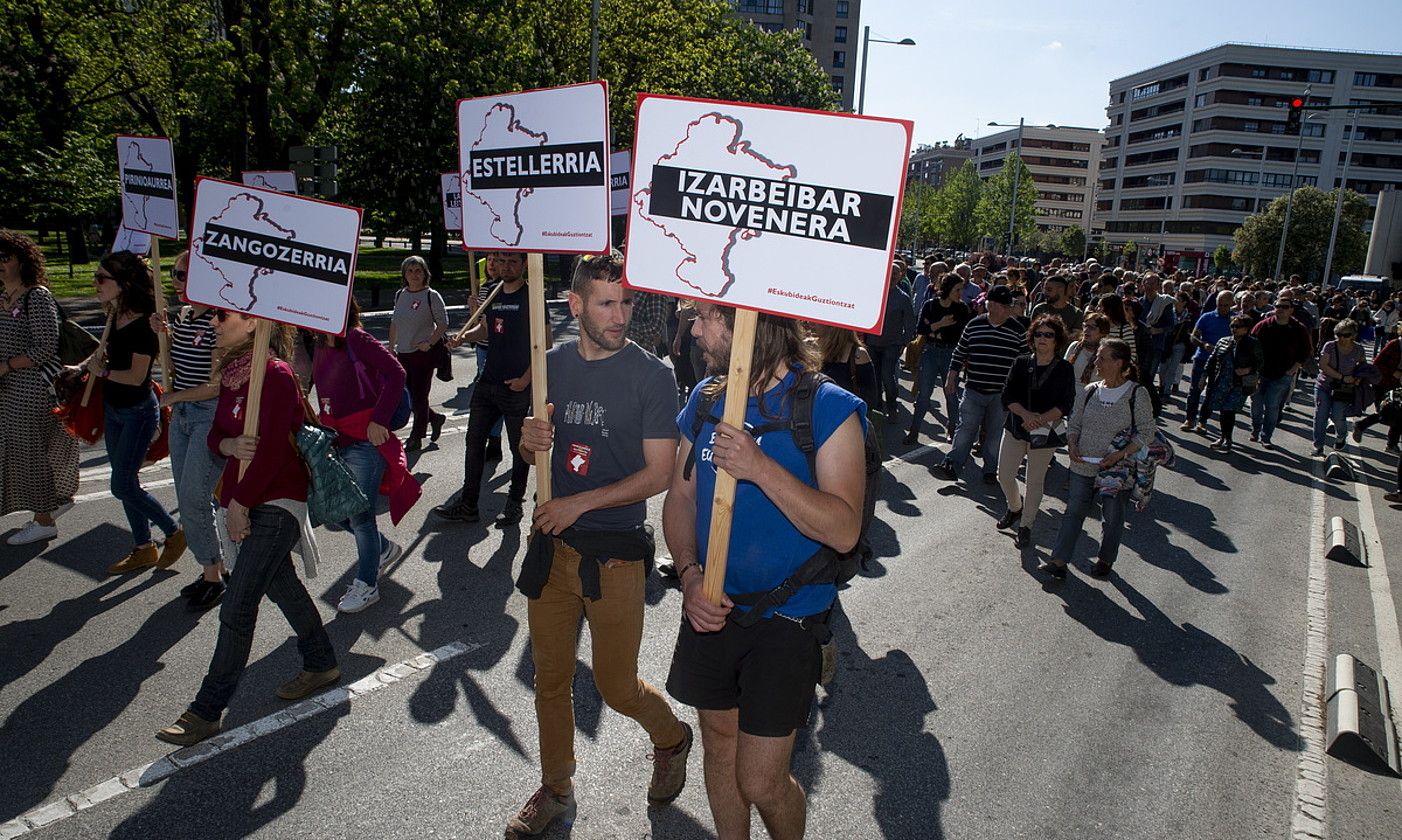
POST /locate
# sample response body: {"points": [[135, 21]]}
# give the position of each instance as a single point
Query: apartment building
{"points": [[831, 32], [931, 164], [1196, 145], [1063, 161]]}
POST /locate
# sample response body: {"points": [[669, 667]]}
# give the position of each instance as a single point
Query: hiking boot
{"points": [[140, 558], [493, 449], [669, 770], [189, 729], [458, 511], [510, 515], [543, 808], [173, 548], [307, 682]]}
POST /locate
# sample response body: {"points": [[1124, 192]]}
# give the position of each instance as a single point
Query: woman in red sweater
{"points": [[266, 514]]}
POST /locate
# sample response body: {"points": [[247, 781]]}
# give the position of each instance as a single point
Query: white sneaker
{"points": [[33, 533], [390, 553], [359, 595]]}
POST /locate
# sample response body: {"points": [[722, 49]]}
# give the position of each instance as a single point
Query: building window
{"points": [[1365, 79], [1255, 101], [841, 8], [1201, 99], [805, 7], [1324, 77], [807, 31], [1257, 72], [761, 7], [837, 83], [1250, 125], [839, 34], [839, 58], [1312, 130], [1204, 74]]}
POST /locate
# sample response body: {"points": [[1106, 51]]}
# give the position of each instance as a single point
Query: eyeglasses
{"points": [[99, 277], [1043, 334], [222, 315]]}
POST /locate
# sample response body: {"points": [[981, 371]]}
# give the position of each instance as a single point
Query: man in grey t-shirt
{"points": [[612, 424]]}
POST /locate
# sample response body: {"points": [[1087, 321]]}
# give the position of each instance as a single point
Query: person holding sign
{"points": [[503, 390], [611, 425], [125, 284], [419, 323], [266, 514], [752, 678]]}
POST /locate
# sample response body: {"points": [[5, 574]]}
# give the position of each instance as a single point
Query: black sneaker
{"points": [[457, 511], [1009, 518], [206, 598], [510, 515], [911, 438], [945, 470], [193, 588], [435, 425], [1023, 538], [493, 449]]}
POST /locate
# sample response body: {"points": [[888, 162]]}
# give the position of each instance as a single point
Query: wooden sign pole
{"points": [[101, 348], [159, 286], [540, 343], [480, 313], [737, 395], [261, 334]]}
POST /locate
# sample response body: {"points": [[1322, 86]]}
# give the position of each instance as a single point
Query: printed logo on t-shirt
{"points": [[585, 414], [238, 407], [326, 405], [499, 324], [414, 304], [578, 459], [198, 339]]}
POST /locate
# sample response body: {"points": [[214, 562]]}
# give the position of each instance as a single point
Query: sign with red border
{"points": [[780, 210], [282, 257], [146, 172], [535, 170]]}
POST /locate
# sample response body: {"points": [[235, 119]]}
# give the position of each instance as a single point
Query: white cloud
{"points": [[1054, 45]]}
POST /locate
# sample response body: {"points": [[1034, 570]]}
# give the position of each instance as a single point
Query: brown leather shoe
{"points": [[189, 729], [307, 682], [140, 558], [172, 550]]}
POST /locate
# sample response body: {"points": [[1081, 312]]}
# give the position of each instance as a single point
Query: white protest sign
{"points": [[450, 187], [620, 177], [766, 208], [535, 170], [146, 169], [131, 240], [277, 256], [278, 180]]}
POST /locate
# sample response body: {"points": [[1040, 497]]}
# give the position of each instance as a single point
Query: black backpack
{"points": [[826, 565]]}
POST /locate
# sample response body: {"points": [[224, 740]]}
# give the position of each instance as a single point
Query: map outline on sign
{"points": [[262, 174], [530, 241], [231, 295], [772, 170], [143, 225]]}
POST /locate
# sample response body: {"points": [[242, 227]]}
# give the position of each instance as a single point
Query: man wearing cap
{"points": [[1285, 345], [985, 353]]}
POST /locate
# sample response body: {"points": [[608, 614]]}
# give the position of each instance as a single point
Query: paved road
{"points": [[973, 700]]}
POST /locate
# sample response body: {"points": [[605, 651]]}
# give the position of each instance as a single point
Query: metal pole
{"points": [[862, 86], [1260, 181], [1339, 202], [1017, 176], [1290, 201], [594, 41]]}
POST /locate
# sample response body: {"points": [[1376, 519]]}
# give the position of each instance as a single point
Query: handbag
{"points": [[332, 494], [74, 343], [443, 361]]}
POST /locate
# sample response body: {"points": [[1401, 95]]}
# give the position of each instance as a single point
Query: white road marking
{"points": [[1309, 818], [161, 769]]}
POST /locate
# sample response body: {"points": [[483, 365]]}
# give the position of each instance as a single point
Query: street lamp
{"points": [[1260, 174], [1017, 177], [867, 41]]}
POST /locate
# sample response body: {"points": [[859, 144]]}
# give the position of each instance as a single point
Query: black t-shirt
{"points": [[136, 338], [933, 311], [508, 337]]}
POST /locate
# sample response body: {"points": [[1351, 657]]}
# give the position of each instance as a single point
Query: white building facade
{"points": [[1064, 163]]}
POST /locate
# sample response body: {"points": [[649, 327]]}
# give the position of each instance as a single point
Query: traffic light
{"points": [[1292, 121]]}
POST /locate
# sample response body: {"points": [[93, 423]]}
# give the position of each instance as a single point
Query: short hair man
{"points": [[1285, 346], [611, 421], [752, 681], [1211, 327]]}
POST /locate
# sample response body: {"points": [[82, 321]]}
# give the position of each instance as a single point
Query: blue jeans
{"points": [[887, 361], [977, 411], [1267, 403], [264, 567], [1078, 502], [481, 363], [367, 465], [196, 470], [934, 368], [1325, 409], [1195, 385], [127, 433]]}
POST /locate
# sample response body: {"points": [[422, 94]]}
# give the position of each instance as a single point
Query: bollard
{"points": [[1345, 543], [1360, 723]]}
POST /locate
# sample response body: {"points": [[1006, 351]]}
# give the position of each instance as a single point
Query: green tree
{"points": [[1130, 249], [953, 208], [916, 210], [1311, 218], [996, 198], [1072, 242], [1222, 258]]}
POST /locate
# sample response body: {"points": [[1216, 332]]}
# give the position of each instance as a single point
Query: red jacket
{"points": [[276, 471]]}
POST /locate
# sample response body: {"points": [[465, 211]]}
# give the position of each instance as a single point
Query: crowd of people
{"points": [[1030, 359]]}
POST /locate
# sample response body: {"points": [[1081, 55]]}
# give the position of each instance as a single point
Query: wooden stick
{"points": [[101, 348], [167, 372], [480, 313], [737, 395], [540, 343], [261, 334]]}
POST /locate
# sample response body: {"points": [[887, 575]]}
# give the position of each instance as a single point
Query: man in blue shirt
{"points": [[751, 678], [1210, 328]]}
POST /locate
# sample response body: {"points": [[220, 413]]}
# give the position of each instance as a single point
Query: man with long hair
{"points": [[750, 669]]}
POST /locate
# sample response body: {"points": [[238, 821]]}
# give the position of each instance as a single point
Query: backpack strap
{"points": [[698, 421]]}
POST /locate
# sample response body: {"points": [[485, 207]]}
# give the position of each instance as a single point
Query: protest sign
{"points": [[272, 255], [450, 188], [131, 240], [278, 180], [766, 208], [535, 170], [146, 170], [620, 176]]}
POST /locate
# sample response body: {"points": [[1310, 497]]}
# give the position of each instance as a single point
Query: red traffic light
{"points": [[1297, 102]]}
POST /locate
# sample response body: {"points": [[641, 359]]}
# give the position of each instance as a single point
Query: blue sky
{"points": [[1052, 62]]}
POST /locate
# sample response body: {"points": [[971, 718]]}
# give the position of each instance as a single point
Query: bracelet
{"points": [[681, 573]]}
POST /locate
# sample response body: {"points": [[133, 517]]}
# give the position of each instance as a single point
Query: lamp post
{"points": [[1339, 201], [1017, 178], [867, 41], [1260, 174], [1290, 200]]}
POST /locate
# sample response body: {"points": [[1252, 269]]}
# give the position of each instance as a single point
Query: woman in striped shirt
{"points": [[192, 398]]}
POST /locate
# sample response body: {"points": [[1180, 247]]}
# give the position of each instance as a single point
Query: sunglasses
{"points": [[1344, 335], [99, 277], [5, 258], [1042, 334], [180, 275], [223, 315]]}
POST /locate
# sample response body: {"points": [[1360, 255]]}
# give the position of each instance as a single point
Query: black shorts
{"points": [[769, 671]]}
